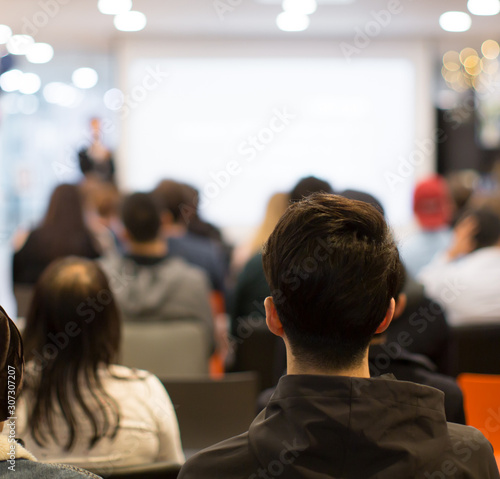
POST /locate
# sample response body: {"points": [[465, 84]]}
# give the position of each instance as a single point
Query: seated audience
{"points": [[78, 406], [15, 460], [63, 232], [154, 285], [433, 208], [175, 202], [331, 292], [464, 280]]}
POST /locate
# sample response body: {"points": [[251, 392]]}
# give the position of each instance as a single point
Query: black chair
{"points": [[258, 352], [476, 349], [209, 410], [159, 470]]}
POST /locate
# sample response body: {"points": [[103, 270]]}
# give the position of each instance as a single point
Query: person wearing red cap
{"points": [[433, 210]]}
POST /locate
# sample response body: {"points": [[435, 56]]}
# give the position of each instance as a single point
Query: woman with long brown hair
{"points": [[78, 406], [62, 232]]}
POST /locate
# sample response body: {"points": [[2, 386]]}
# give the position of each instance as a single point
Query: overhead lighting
{"points": [[63, 95], [114, 99], [130, 21], [455, 21], [5, 34], [19, 44], [114, 7], [291, 22], [483, 7], [304, 7], [40, 53], [30, 83], [11, 80], [490, 49], [85, 78]]}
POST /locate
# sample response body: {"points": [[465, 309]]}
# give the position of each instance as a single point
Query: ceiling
{"points": [[78, 25]]}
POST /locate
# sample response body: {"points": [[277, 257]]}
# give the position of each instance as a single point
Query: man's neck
{"points": [[157, 247], [359, 371]]}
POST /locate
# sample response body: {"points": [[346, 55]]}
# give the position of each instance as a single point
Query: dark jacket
{"points": [[416, 368], [319, 427]]}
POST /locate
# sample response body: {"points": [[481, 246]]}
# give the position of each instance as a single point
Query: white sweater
{"points": [[148, 431]]}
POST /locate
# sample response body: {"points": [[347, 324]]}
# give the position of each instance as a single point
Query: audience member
{"points": [[331, 292], [155, 286], [464, 280], [15, 460], [175, 202], [78, 406], [307, 186], [432, 205], [63, 232]]}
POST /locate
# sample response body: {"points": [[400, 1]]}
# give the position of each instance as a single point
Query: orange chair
{"points": [[482, 405]]}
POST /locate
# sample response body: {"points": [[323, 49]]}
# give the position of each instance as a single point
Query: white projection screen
{"points": [[243, 128]]}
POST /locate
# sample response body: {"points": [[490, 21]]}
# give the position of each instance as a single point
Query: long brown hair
{"points": [[63, 231], [72, 330]]}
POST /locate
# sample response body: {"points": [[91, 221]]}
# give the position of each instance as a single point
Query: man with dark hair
{"points": [[464, 280], [152, 285], [307, 186], [334, 270]]}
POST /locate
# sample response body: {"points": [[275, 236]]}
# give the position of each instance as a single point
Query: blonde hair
{"points": [[277, 205]]}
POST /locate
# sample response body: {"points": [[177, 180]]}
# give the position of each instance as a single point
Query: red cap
{"points": [[432, 203]]}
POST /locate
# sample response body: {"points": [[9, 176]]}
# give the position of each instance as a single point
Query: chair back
{"points": [[167, 349], [482, 405], [476, 349], [211, 410], [158, 470]]}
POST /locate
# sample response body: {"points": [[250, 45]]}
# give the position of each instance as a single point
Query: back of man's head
{"points": [[333, 268], [178, 199], [307, 186], [141, 217]]}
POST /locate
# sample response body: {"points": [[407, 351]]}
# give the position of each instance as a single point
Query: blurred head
{"points": [[141, 217], [333, 269], [432, 203], [11, 364], [72, 329], [175, 198], [307, 186], [277, 205], [488, 226], [65, 209], [362, 196]]}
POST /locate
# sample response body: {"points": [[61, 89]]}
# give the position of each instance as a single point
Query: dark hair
{"points": [[333, 268], [63, 231], [141, 217], [488, 226], [11, 365], [179, 199], [72, 330], [362, 196], [308, 185]]}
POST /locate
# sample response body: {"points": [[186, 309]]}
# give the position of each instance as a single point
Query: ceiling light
{"points": [[483, 7], [40, 53], [19, 44], [114, 7], [291, 22], [85, 78], [5, 34], [11, 80], [62, 94], [304, 7], [30, 83], [130, 21], [455, 21]]}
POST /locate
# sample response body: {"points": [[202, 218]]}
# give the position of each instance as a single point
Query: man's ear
{"points": [[388, 317], [272, 320], [400, 305]]}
